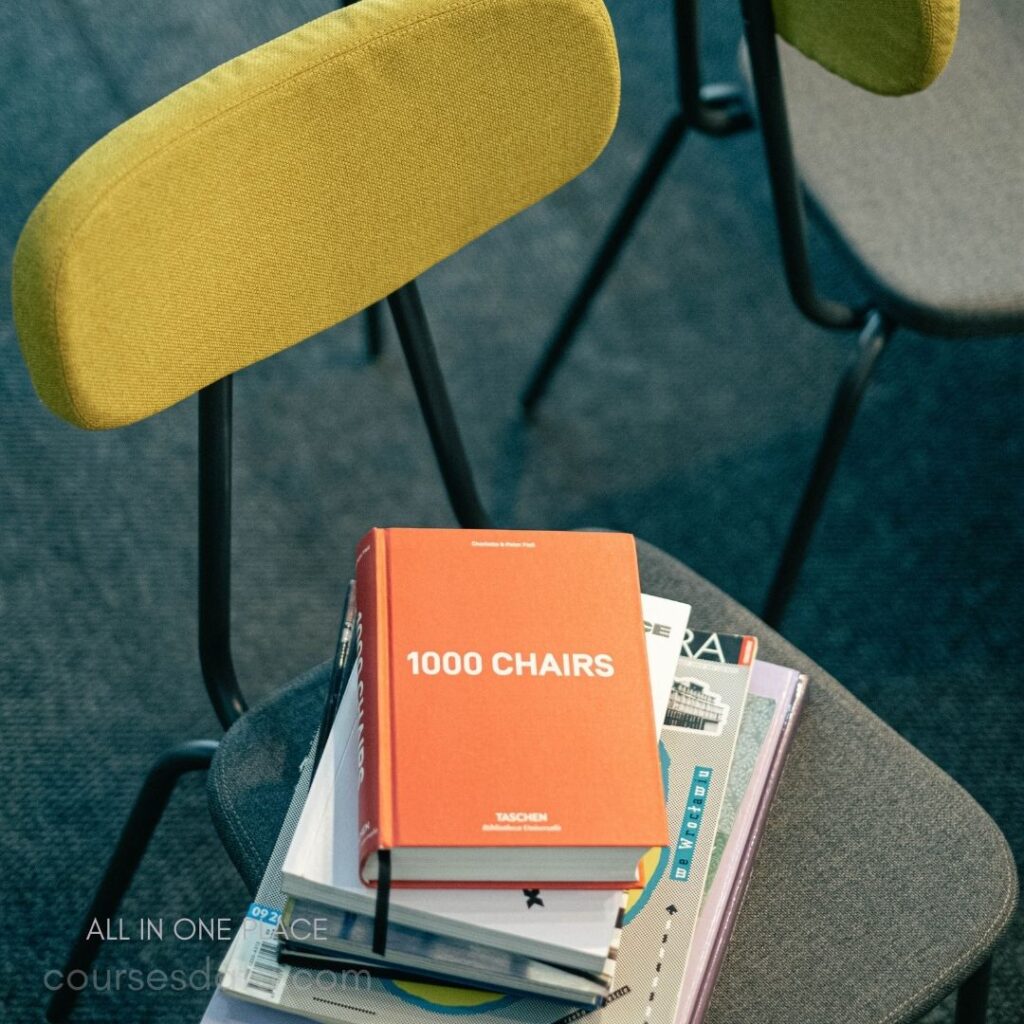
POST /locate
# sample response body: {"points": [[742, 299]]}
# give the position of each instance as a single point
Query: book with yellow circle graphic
{"points": [[769, 716], [650, 961]]}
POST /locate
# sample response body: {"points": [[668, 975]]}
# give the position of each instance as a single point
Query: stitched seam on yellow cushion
{"points": [[58, 354], [59, 349], [55, 330], [399, 29]]}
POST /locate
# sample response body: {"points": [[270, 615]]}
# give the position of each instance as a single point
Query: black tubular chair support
{"points": [[845, 403], [215, 435], [972, 996], [787, 191], [215, 429], [374, 317], [875, 329], [713, 109], [145, 815], [432, 392]]}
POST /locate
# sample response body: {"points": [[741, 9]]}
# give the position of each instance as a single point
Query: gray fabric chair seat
{"points": [[927, 191], [879, 886]]}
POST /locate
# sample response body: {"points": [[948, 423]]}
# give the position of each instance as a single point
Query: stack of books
{"points": [[535, 796]]}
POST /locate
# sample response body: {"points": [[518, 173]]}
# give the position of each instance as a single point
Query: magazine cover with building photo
{"points": [[695, 704]]}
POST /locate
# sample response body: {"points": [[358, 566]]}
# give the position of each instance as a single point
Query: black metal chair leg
{"points": [[421, 357], [972, 999], [215, 439], [138, 830], [374, 320], [622, 227], [850, 391], [716, 109]]}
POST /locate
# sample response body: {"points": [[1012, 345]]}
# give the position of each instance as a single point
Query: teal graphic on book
{"points": [[689, 827]]}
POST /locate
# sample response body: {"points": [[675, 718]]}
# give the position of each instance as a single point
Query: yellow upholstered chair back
{"points": [[295, 185], [892, 47]]}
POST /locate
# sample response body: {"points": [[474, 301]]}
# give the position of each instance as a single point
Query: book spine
{"points": [[375, 831]]}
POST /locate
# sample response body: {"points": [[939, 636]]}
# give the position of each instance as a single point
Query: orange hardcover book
{"points": [[506, 723]]}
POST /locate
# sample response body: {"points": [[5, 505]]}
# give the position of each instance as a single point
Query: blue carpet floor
{"points": [[687, 413]]}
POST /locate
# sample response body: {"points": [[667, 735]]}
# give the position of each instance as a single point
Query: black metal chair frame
{"points": [[874, 322], [717, 111], [215, 460]]}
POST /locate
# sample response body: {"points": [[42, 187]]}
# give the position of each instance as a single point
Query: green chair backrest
{"points": [[295, 185], [892, 47]]}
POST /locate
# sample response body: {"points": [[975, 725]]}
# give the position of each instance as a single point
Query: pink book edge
{"points": [[692, 1009]]}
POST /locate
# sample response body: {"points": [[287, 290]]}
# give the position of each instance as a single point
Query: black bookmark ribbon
{"points": [[380, 916]]}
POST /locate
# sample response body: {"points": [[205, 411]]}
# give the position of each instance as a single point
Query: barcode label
{"points": [[264, 973]]}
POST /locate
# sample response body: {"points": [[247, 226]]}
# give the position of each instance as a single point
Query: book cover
{"points": [[502, 672]]}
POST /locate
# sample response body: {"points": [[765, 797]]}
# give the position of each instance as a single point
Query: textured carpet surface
{"points": [[687, 413]]}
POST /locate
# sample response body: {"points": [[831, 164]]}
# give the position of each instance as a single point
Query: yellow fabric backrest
{"points": [[892, 47], [293, 186]]}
